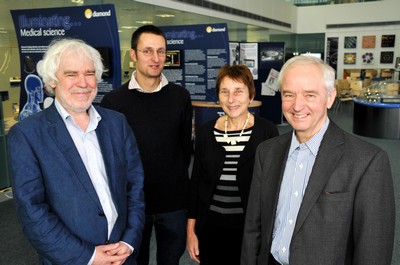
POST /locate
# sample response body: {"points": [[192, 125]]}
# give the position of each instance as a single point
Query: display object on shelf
{"points": [[380, 93]]}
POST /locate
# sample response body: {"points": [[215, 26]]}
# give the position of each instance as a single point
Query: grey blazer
{"points": [[347, 215]]}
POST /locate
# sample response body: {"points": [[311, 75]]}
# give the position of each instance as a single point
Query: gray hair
{"points": [[328, 73], [50, 63]]}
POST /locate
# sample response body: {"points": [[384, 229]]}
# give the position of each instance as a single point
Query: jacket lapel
{"points": [[61, 137], [329, 154], [104, 137]]}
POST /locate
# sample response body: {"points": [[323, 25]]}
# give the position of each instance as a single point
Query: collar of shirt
{"points": [[133, 84], [312, 144], [93, 115]]}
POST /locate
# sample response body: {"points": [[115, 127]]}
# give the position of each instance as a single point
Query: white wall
{"points": [[314, 19], [274, 9]]}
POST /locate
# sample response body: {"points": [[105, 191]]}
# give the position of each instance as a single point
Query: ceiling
{"points": [[130, 15]]}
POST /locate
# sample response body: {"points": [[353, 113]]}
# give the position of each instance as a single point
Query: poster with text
{"points": [[202, 50], [249, 57], [37, 28]]}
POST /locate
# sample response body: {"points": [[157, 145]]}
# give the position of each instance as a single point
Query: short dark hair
{"points": [[239, 73], [145, 29]]}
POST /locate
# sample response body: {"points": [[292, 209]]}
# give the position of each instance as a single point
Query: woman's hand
{"points": [[192, 243]]}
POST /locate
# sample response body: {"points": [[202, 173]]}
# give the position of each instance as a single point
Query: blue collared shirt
{"points": [[90, 153], [298, 169]]}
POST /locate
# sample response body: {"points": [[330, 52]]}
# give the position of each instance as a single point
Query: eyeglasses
{"points": [[150, 52]]}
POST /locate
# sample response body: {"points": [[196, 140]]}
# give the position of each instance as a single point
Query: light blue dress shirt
{"points": [[133, 84], [298, 169]]}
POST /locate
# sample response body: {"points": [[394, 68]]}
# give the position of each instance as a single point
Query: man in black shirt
{"points": [[160, 114]]}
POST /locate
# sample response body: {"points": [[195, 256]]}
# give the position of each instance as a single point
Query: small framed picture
{"points": [[386, 57], [350, 58], [350, 42], [368, 42], [388, 41], [367, 58]]}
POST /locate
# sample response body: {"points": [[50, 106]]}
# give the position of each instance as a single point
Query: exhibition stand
{"points": [[379, 120]]}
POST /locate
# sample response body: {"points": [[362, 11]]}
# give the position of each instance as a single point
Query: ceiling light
{"points": [[165, 15], [144, 22], [129, 27]]}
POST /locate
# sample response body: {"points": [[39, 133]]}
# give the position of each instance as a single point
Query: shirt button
{"points": [[101, 214]]}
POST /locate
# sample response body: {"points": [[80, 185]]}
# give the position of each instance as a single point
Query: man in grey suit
{"points": [[76, 170], [319, 195]]}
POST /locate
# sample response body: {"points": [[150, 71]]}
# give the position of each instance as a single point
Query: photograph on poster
{"points": [[173, 58], [272, 55]]}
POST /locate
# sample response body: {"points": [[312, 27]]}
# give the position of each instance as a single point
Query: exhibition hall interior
{"points": [[360, 39]]}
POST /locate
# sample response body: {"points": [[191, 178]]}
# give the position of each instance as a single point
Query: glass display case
{"points": [[377, 111], [382, 92]]}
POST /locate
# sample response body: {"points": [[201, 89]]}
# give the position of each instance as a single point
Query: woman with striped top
{"points": [[222, 171]]}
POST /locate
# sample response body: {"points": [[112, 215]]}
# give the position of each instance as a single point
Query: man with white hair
{"points": [[76, 171]]}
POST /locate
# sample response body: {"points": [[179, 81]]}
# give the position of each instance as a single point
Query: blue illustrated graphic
{"points": [[34, 92]]}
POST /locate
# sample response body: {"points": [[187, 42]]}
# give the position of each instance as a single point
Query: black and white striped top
{"points": [[226, 203]]}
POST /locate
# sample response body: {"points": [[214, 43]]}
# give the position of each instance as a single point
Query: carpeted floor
{"points": [[15, 250]]}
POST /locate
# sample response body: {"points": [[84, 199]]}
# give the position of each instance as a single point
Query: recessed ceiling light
{"points": [[129, 27], [144, 22], [165, 15]]}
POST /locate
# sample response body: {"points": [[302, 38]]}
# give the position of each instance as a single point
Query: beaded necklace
{"points": [[234, 140]]}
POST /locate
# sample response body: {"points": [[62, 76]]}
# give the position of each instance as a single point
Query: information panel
{"points": [[36, 28], [195, 54]]}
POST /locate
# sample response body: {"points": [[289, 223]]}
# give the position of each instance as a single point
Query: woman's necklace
{"points": [[234, 140]]}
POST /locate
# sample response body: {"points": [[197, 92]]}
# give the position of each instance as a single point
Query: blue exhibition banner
{"points": [[194, 55], [36, 28]]}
